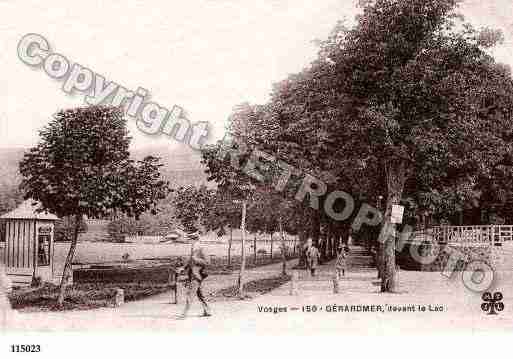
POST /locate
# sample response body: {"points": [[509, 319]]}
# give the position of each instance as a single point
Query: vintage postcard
{"points": [[267, 166]]}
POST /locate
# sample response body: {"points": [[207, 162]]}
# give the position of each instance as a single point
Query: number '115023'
{"points": [[29, 348]]}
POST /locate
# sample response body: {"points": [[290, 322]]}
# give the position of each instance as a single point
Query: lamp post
{"points": [[244, 201], [240, 284]]}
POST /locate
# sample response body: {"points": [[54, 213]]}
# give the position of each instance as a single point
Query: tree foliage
{"points": [[81, 167], [192, 206], [408, 104]]}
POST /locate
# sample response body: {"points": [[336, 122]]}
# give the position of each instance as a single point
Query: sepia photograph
{"points": [[273, 167]]}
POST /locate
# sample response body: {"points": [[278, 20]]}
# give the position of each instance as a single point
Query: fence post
{"points": [[336, 280], [293, 282], [176, 288], [173, 282]]}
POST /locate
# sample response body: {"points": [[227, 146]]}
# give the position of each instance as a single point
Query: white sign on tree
{"points": [[397, 214]]}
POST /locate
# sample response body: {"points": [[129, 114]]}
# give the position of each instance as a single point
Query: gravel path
{"points": [[359, 308]]}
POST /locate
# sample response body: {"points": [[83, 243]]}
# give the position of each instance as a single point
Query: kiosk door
{"points": [[44, 252]]}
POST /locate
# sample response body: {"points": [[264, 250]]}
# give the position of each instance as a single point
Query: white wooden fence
{"points": [[491, 234]]}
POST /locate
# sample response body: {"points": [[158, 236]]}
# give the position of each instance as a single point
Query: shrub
{"points": [[64, 229]]}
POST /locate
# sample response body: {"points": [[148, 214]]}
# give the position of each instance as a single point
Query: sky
{"points": [[203, 55]]}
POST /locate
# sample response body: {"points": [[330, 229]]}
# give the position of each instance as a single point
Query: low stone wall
{"points": [[436, 256]]}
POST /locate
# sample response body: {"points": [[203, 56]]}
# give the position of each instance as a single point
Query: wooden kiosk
{"points": [[29, 239]]}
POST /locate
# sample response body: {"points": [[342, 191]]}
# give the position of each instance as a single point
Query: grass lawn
{"points": [[219, 265], [259, 286], [143, 282], [81, 296], [103, 252]]}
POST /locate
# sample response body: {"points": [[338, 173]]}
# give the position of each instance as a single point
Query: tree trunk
{"points": [[328, 245], [324, 245], [67, 273], [396, 177], [240, 281], [338, 236], [283, 248], [331, 234], [254, 249], [379, 259], [230, 247], [303, 237], [271, 245], [333, 252], [316, 229], [329, 240]]}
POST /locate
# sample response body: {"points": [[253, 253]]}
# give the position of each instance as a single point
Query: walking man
{"points": [[340, 265], [312, 258], [196, 274]]}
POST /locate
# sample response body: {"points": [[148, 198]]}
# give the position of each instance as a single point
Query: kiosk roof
{"points": [[29, 210]]}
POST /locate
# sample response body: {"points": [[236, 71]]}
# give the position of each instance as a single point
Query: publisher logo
{"points": [[492, 303]]}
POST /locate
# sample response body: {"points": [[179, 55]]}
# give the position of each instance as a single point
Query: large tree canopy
{"points": [[408, 104], [81, 167]]}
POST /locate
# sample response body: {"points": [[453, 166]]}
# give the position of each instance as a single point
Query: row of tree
{"points": [[408, 104]]}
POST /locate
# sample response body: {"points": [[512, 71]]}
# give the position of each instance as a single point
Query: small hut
{"points": [[29, 236]]}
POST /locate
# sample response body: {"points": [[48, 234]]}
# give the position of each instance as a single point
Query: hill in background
{"points": [[9, 159], [182, 165]]}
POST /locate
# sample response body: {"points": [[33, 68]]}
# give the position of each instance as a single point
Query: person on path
{"points": [[304, 252], [349, 238], [341, 263], [6, 311], [196, 274], [312, 258]]}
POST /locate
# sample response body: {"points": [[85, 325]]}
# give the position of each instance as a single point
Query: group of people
{"points": [[313, 256], [195, 270]]}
